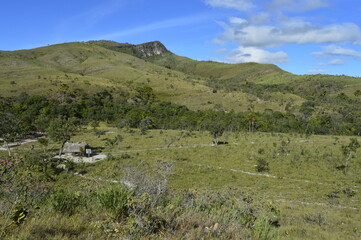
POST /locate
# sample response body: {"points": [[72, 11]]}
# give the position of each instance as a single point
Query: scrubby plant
{"points": [[21, 190], [262, 229], [262, 165], [66, 202], [116, 199], [349, 152]]}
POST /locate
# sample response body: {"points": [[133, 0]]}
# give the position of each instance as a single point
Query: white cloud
{"points": [[242, 5], [252, 54], [332, 50], [237, 21], [296, 5], [267, 25], [291, 31], [334, 62], [316, 71]]}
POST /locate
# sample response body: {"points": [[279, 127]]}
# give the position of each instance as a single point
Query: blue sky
{"points": [[300, 36]]}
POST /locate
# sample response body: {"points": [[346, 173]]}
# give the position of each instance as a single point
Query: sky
{"points": [[299, 36]]}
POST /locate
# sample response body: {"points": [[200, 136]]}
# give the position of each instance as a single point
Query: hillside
{"points": [[199, 85]]}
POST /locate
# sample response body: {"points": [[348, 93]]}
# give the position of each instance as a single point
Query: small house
{"points": [[75, 148]]}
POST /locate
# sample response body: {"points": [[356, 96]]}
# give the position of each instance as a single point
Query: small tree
{"points": [[216, 129], [144, 95], [10, 128], [111, 143], [349, 152], [145, 124], [61, 129], [262, 165]]}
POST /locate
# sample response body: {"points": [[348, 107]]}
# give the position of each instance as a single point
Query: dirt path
{"points": [[164, 148], [315, 204], [15, 144]]}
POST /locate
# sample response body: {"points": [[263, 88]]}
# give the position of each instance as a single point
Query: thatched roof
{"points": [[75, 147]]}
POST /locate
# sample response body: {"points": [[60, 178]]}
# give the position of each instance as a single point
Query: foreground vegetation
{"points": [[170, 183]]}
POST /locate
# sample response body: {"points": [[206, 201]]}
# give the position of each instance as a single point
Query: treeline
{"points": [[140, 109]]}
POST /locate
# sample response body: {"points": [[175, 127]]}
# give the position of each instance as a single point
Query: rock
{"points": [[61, 166], [150, 49]]}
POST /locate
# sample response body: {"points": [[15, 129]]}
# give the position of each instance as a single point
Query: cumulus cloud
{"points": [[332, 50], [266, 25], [296, 5], [292, 31], [252, 54], [242, 5]]}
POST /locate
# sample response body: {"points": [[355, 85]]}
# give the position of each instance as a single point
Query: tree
{"points": [[349, 152], [61, 129], [145, 124], [111, 143], [216, 129], [10, 128], [144, 95], [251, 122]]}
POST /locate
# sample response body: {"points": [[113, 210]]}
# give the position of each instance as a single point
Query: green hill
{"points": [[199, 85]]}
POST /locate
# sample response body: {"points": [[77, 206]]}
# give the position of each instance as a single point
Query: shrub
{"points": [[117, 200], [125, 156], [262, 229], [349, 192], [262, 165], [66, 202]]}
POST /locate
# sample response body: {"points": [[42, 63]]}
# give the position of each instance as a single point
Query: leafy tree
{"points": [[61, 129], [216, 129], [145, 124], [251, 122], [144, 95], [10, 128], [262, 165], [349, 152]]}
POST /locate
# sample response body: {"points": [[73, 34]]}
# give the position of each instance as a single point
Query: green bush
{"points": [[262, 165], [262, 229], [66, 202], [117, 200]]}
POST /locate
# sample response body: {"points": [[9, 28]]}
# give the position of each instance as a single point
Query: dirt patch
{"points": [[78, 159]]}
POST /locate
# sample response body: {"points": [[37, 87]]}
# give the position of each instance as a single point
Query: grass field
{"points": [[315, 199]]}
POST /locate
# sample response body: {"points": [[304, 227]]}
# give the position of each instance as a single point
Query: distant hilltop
{"points": [[144, 50]]}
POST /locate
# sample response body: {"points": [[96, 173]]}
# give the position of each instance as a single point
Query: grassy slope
{"points": [[104, 64], [222, 71], [91, 67], [304, 171]]}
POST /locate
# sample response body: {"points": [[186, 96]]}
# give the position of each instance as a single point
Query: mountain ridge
{"points": [[199, 85]]}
